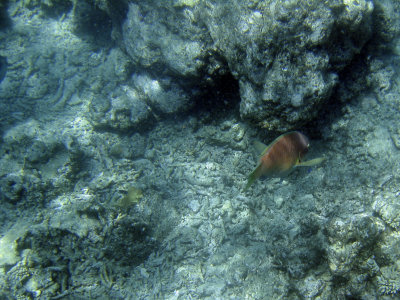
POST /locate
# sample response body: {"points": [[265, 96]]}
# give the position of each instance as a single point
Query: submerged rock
{"points": [[286, 57]]}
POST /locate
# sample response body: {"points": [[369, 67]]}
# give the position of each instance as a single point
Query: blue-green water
{"points": [[127, 138]]}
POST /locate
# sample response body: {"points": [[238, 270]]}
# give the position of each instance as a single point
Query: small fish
{"points": [[284, 153]]}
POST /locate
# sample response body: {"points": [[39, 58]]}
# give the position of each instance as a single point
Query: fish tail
{"points": [[253, 176]]}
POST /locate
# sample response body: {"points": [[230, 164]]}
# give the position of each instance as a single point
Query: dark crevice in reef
{"points": [[352, 83], [118, 11], [5, 21], [56, 8], [3, 67], [219, 98], [92, 24], [100, 26]]}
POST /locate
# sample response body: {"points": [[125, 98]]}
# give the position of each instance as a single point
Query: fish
{"points": [[281, 156]]}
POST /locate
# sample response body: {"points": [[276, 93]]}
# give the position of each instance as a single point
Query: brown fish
{"points": [[284, 153]]}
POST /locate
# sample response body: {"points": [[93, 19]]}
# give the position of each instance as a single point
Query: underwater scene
{"points": [[200, 149]]}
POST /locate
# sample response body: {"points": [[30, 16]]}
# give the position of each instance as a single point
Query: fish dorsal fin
{"points": [[264, 148], [260, 148]]}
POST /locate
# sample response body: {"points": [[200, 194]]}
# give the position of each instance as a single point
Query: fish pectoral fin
{"points": [[311, 162]]}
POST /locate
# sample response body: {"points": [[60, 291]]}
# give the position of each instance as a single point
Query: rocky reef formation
{"points": [[286, 56], [108, 191]]}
